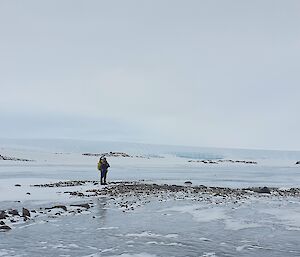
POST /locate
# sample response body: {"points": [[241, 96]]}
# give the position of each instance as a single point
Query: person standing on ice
{"points": [[103, 166]]}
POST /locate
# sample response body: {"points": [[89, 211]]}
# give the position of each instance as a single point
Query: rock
{"points": [[3, 215], [298, 162], [60, 207], [13, 212], [2, 222], [28, 193], [25, 212], [84, 205], [57, 206], [5, 228], [264, 190], [188, 183], [6, 158], [17, 185]]}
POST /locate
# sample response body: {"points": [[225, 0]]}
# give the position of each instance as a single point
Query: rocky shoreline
{"points": [[8, 158], [14, 216], [115, 154], [223, 161], [116, 188], [130, 195]]}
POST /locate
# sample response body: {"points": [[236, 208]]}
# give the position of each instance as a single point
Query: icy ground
{"points": [[256, 226]]}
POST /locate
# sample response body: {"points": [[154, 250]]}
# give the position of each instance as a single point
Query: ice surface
{"points": [[201, 214], [265, 226]]}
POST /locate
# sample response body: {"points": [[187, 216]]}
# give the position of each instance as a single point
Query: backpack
{"points": [[99, 164]]}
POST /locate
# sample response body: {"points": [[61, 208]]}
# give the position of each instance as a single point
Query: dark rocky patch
{"points": [[3, 215], [264, 190], [14, 212], [83, 205], [70, 183], [5, 228], [221, 161], [115, 154], [63, 207], [7, 158], [110, 154], [261, 190]]}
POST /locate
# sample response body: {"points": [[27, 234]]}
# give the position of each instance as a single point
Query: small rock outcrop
{"points": [[3, 215], [58, 207], [6, 158], [83, 205], [264, 190], [14, 212], [298, 162], [5, 228]]}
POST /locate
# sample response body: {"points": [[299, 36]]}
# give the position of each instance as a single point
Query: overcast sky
{"points": [[201, 73]]}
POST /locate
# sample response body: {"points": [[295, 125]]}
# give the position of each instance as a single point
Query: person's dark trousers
{"points": [[103, 176]]}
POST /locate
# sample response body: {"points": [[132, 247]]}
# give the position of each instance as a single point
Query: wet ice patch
{"points": [[211, 254], [64, 246], [171, 236], [150, 234], [135, 255], [288, 217], [123, 255], [107, 228], [204, 239], [163, 243], [247, 247], [109, 250], [231, 224], [201, 214], [4, 252]]}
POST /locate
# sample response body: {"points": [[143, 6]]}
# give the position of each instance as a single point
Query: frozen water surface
{"points": [[172, 228], [265, 226]]}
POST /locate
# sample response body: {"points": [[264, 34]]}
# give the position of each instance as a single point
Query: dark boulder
{"points": [[13, 212], [3, 215], [298, 162], [84, 205], [188, 183], [264, 190], [17, 185], [2, 222], [57, 206]]}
